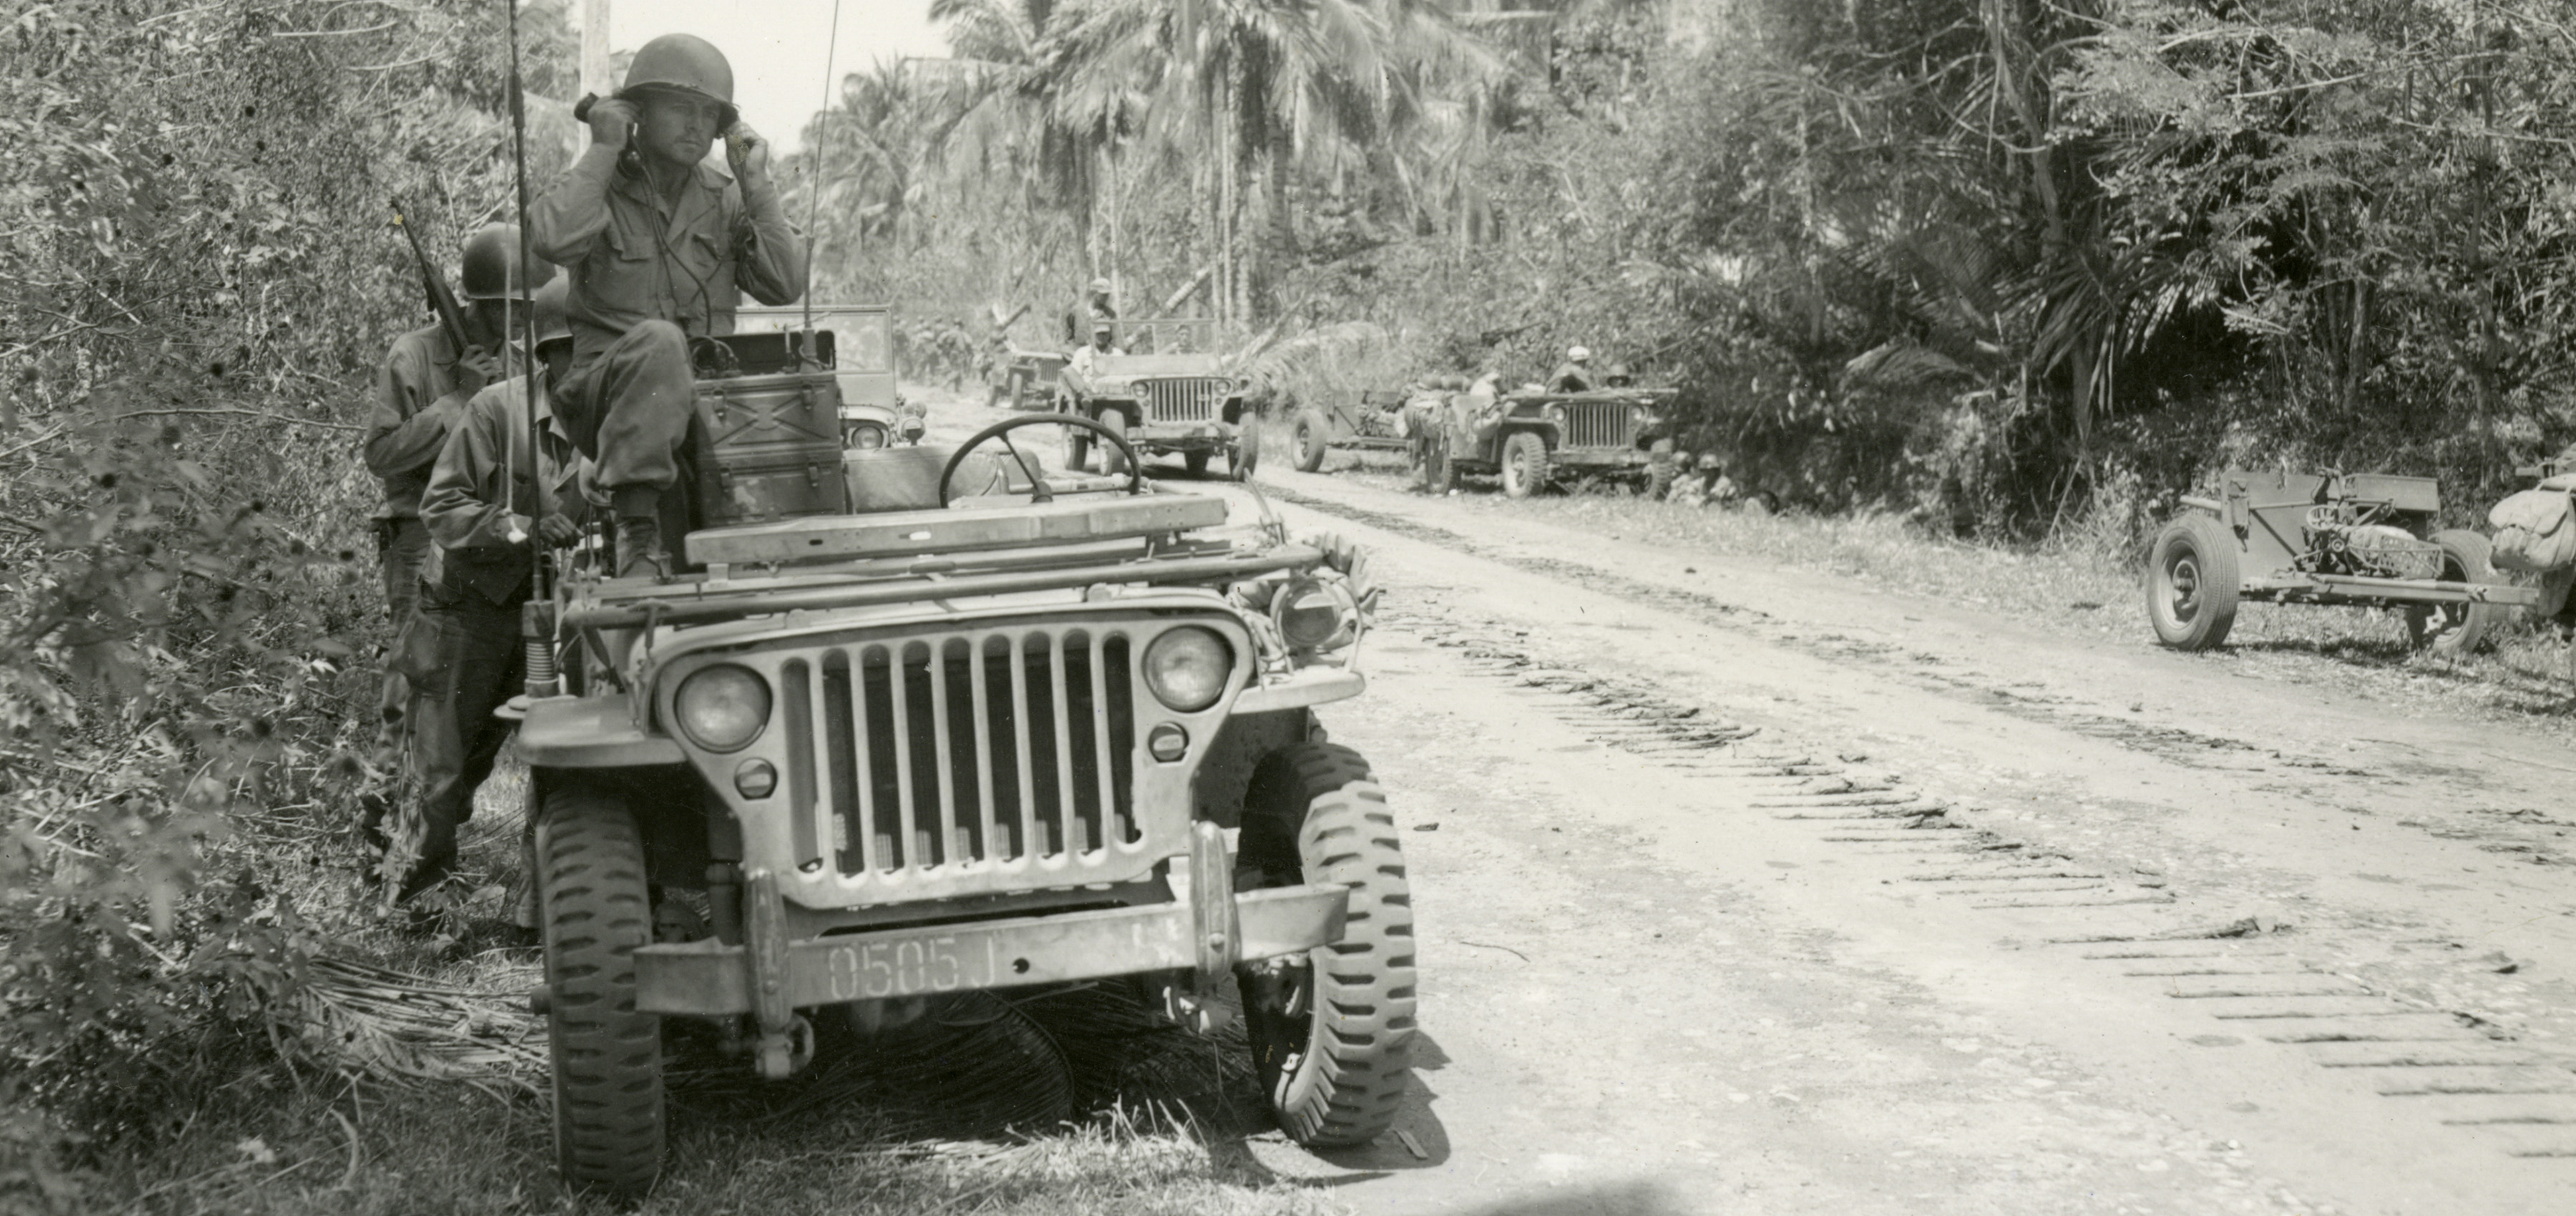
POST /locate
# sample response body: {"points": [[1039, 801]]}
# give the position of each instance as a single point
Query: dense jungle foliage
{"points": [[2014, 266], [2006, 264]]}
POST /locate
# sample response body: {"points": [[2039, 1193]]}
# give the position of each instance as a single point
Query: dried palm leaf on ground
{"points": [[399, 1028]]}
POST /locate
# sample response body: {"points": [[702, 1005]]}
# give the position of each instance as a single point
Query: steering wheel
{"points": [[1002, 429]]}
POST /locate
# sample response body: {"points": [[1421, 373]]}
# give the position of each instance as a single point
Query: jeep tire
{"points": [[1524, 464], [595, 912], [1113, 459], [1332, 1034], [1245, 456]]}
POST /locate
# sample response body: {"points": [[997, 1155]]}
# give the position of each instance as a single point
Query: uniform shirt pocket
{"points": [[621, 275]]}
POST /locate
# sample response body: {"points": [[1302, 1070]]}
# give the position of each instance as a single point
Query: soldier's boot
{"points": [[640, 553]]}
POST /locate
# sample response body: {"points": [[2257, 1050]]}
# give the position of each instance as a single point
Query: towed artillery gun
{"points": [[1371, 422], [1179, 398], [2365, 539], [957, 723]]}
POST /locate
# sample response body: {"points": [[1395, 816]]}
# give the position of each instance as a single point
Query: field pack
{"points": [[2535, 531]]}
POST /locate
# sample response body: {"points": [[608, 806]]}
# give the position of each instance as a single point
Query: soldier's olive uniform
{"points": [[646, 278], [1570, 378], [420, 391], [469, 606]]}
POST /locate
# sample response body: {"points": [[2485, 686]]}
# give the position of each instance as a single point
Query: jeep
{"points": [[1179, 398], [1528, 437], [998, 727]]}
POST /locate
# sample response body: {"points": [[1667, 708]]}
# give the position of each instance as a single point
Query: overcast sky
{"points": [[777, 46]]}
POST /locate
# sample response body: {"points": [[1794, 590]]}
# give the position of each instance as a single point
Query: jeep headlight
{"points": [[1315, 615], [1187, 668], [722, 708]]}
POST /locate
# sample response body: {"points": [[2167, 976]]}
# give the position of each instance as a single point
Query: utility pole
{"points": [[594, 49]]}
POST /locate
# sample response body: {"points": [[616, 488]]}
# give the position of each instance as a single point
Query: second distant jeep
{"points": [[1174, 395]]}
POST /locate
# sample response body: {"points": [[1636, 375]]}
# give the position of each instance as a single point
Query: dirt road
{"points": [[1749, 890]]}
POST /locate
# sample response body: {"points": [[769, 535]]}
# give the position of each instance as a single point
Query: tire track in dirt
{"points": [[2538, 841], [2253, 978]]}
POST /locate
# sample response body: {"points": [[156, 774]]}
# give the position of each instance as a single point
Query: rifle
{"points": [[442, 301]]}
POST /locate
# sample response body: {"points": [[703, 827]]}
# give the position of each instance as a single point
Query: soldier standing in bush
{"points": [[420, 391], [489, 503], [662, 248]]}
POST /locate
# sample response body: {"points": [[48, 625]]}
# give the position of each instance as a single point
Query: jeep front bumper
{"points": [[711, 979]]}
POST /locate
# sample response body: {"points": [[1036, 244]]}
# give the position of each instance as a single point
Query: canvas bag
{"points": [[2535, 531]]}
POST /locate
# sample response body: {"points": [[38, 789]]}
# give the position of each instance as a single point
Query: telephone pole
{"points": [[594, 49]]}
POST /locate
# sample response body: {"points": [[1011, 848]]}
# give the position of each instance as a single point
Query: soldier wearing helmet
{"points": [[491, 500], [1617, 377], [1103, 342], [1575, 374], [1095, 308], [421, 388], [662, 248]]}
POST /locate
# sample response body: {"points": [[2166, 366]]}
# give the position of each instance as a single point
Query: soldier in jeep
{"points": [[662, 248]]}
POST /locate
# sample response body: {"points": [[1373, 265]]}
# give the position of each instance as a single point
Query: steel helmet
{"points": [[1580, 354], [1618, 371], [554, 320], [1102, 327], [1711, 460], [1100, 287], [491, 257], [684, 63]]}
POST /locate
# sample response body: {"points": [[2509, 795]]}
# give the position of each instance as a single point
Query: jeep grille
{"points": [[1183, 399], [1599, 424], [942, 754]]}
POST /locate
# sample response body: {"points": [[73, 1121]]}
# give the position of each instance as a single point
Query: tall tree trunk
{"points": [[2055, 247]]}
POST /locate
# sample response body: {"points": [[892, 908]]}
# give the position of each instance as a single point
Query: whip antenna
{"points": [[814, 205], [537, 620]]}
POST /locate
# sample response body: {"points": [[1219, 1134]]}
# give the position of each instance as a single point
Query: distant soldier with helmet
{"points": [[1575, 374], [421, 390], [1617, 377], [662, 248], [1082, 319], [490, 502]]}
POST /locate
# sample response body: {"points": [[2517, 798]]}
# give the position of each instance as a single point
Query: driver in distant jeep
{"points": [[1575, 374], [662, 248]]}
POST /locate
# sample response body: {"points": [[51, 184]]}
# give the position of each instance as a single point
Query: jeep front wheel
{"points": [[1113, 462], [1331, 1033], [1524, 464], [607, 1057]]}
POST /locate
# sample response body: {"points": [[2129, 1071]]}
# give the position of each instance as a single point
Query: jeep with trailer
{"points": [[873, 412], [1528, 438], [982, 725], [2365, 539], [1171, 394]]}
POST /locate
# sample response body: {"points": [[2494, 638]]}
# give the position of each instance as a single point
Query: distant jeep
{"points": [[1530, 437], [873, 413], [1170, 394]]}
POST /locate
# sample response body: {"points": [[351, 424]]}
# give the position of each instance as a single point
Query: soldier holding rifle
{"points": [[420, 391]]}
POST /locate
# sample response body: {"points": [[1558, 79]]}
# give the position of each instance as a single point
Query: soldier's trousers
{"points": [[401, 544], [628, 409], [476, 666]]}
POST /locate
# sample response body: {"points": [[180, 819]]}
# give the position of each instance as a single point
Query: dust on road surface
{"points": [[1748, 890]]}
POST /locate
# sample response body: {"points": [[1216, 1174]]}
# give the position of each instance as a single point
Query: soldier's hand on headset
{"points": [[558, 532], [747, 151], [611, 121]]}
